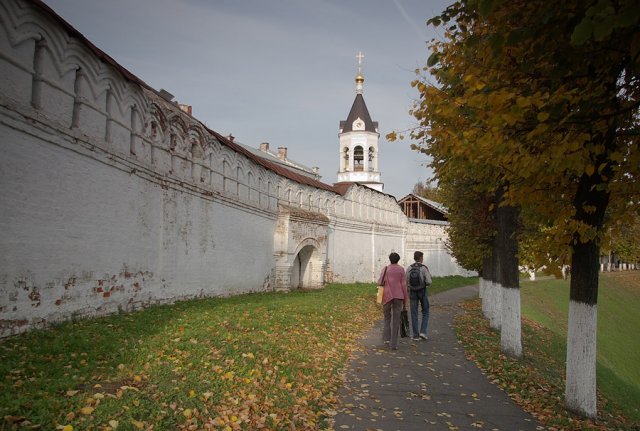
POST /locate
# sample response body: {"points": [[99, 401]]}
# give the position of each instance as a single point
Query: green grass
{"points": [[618, 371], [536, 381], [440, 284], [257, 361]]}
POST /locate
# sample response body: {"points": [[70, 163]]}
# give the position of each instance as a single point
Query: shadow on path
{"points": [[425, 385]]}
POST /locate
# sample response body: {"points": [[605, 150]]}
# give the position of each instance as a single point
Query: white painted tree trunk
{"points": [[495, 314], [486, 300], [510, 331], [481, 285], [581, 359]]}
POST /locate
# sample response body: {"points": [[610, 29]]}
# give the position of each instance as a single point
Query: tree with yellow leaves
{"points": [[537, 103]]}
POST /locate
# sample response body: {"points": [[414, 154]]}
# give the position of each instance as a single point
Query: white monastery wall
{"points": [[429, 238], [113, 199], [362, 239]]}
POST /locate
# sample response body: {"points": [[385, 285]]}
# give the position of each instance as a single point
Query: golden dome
{"points": [[359, 78]]}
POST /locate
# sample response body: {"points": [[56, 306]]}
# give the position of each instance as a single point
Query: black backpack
{"points": [[415, 277]]}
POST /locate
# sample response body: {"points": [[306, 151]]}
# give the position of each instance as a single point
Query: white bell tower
{"points": [[359, 142]]}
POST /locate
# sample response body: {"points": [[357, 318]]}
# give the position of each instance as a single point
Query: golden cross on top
{"points": [[360, 56]]}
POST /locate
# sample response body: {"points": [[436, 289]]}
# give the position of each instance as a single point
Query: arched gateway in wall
{"points": [[307, 269], [300, 249]]}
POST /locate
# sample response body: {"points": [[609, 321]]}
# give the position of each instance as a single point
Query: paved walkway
{"points": [[425, 385]]}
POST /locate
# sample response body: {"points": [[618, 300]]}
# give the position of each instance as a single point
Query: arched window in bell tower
{"points": [[371, 155], [345, 151], [358, 158]]}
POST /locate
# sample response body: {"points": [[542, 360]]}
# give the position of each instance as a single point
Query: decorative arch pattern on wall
{"points": [[122, 114], [93, 108]]}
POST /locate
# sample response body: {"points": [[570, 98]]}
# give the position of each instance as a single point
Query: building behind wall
{"points": [[113, 198]]}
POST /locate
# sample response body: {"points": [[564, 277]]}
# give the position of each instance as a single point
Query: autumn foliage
{"points": [[534, 105], [541, 97], [252, 362]]}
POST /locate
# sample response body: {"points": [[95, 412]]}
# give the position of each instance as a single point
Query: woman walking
{"points": [[394, 299]]}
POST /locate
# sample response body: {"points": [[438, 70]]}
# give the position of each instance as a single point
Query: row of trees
{"points": [[529, 111]]}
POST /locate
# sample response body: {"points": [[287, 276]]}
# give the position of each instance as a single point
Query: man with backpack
{"points": [[418, 278]]}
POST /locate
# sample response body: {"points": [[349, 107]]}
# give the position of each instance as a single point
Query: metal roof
{"points": [[359, 110], [288, 163]]}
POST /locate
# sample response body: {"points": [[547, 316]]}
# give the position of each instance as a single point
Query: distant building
{"points": [[416, 207]]}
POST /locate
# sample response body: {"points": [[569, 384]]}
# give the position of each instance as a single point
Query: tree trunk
{"points": [[485, 285], [508, 276], [580, 394], [495, 290], [590, 203]]}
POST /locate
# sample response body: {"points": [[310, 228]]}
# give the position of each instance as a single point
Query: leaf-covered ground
{"points": [[251, 362], [537, 381], [259, 361]]}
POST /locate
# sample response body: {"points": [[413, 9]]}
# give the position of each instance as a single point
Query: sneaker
{"points": [[387, 342], [423, 336], [416, 339]]}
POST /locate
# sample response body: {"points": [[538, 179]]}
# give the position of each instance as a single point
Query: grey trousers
{"points": [[391, 331]]}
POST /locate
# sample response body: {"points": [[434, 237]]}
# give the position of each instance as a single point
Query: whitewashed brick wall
{"points": [[113, 199]]}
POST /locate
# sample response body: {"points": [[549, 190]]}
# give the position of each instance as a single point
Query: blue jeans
{"points": [[419, 297]]}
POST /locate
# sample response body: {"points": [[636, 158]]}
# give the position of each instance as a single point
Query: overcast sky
{"points": [[277, 71]]}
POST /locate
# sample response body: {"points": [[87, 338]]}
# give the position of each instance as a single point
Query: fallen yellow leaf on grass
{"points": [[187, 413], [114, 423], [137, 424], [86, 410]]}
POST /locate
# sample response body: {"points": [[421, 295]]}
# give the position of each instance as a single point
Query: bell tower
{"points": [[358, 137]]}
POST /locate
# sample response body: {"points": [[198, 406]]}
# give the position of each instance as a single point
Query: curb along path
{"points": [[425, 385]]}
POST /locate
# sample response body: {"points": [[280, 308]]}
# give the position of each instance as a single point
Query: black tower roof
{"points": [[359, 110]]}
